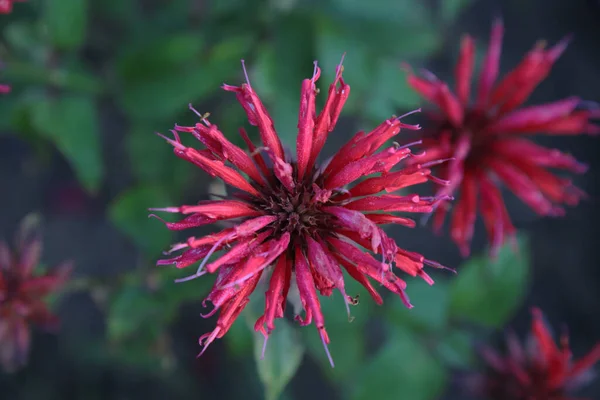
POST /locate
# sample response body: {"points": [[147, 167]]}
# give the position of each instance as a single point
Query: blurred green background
{"points": [[93, 80]]}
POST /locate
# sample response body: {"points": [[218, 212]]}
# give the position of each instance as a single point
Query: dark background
{"points": [[564, 251]]}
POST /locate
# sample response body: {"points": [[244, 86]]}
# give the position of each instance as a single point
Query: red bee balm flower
{"points": [[297, 221], [486, 140], [543, 372], [22, 295], [6, 6]]}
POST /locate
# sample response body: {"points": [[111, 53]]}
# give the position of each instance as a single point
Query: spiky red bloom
{"points": [[296, 221], [542, 371], [6, 6], [487, 140], [22, 295]]}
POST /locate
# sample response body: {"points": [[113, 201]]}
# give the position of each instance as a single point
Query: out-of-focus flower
{"points": [[300, 224], [487, 140], [22, 294], [6, 6], [541, 371], [4, 88]]}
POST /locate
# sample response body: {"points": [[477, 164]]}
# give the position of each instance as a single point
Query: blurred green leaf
{"points": [[332, 42], [347, 345], [402, 368], [456, 349], [178, 70], [129, 212], [396, 11], [280, 69], [390, 92], [488, 291], [132, 309], [283, 356], [77, 80], [66, 21], [152, 160], [23, 38], [430, 312], [240, 339], [71, 123], [450, 9]]}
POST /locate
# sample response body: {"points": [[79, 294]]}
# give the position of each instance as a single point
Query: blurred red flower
{"points": [[486, 140], [294, 221], [22, 294], [6, 6], [542, 371]]}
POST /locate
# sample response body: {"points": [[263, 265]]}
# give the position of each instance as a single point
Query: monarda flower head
{"points": [[487, 140], [22, 294], [294, 223], [540, 371]]}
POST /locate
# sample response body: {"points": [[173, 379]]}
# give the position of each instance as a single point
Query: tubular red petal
{"points": [[464, 69], [390, 182], [489, 70], [381, 219], [546, 345], [258, 116], [230, 152], [523, 188], [306, 287], [256, 156], [216, 168], [306, 122], [275, 296], [535, 154], [327, 118], [360, 278], [534, 116], [494, 213], [465, 213], [239, 251], [410, 203], [221, 209], [357, 222]]}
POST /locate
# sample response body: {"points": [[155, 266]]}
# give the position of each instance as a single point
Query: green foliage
{"points": [[283, 356], [71, 123], [450, 9], [347, 347], [430, 312], [129, 212], [402, 368], [66, 22], [488, 291]]}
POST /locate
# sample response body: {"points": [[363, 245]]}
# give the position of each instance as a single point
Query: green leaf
{"points": [[347, 347], [430, 312], [390, 92], [283, 356], [71, 123], [450, 9], [280, 69], [152, 160], [332, 42], [456, 349], [66, 21], [488, 291], [129, 212], [397, 12], [134, 311], [402, 368], [179, 70]]}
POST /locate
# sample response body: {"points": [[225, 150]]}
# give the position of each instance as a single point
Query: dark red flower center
{"points": [[298, 211], [473, 127]]}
